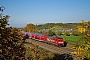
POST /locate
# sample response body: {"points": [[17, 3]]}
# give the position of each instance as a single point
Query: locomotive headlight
{"points": [[60, 42]]}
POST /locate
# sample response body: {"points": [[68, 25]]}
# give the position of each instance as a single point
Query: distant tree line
{"points": [[63, 25]]}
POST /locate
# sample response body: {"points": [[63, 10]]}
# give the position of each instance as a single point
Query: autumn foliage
{"points": [[11, 47], [29, 28], [83, 49], [34, 52]]}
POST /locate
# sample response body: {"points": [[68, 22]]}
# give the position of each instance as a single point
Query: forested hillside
{"points": [[63, 25]]}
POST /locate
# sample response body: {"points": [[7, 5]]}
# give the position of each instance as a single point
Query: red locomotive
{"points": [[56, 41]]}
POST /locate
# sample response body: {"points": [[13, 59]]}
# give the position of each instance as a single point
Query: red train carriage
{"points": [[43, 38], [29, 34], [37, 37], [40, 37], [25, 35], [33, 35]]}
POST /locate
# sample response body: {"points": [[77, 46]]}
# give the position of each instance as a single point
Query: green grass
{"points": [[71, 39]]}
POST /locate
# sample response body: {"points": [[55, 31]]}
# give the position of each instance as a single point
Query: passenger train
{"points": [[60, 42]]}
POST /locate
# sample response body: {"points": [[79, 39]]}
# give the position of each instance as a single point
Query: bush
{"points": [[60, 33], [75, 33], [67, 33]]}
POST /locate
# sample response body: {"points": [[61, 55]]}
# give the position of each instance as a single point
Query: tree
{"points": [[11, 47], [51, 33], [2, 8], [87, 36], [87, 42], [83, 48], [30, 28]]}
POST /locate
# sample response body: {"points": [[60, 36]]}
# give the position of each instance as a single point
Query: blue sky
{"points": [[23, 12]]}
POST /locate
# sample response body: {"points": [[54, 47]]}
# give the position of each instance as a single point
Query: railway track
{"points": [[52, 48]]}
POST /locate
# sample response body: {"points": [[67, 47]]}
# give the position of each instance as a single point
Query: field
{"points": [[71, 39]]}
